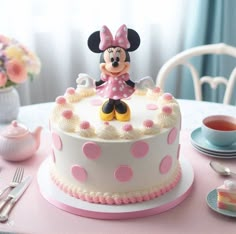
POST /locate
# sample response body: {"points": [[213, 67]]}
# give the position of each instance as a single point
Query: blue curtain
{"points": [[209, 22]]}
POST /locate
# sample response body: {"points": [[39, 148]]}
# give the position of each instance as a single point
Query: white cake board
{"points": [[100, 211]]}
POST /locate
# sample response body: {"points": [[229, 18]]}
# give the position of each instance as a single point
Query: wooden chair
{"points": [[183, 59]]}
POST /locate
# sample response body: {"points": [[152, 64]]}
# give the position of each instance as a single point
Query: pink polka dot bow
{"points": [[120, 39]]}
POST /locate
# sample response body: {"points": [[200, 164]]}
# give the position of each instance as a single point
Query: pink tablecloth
{"points": [[33, 214]]}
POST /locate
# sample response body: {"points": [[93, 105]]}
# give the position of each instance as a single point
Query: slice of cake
{"points": [[226, 195]]}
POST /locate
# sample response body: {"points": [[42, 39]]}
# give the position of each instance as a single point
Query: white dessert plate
{"points": [[63, 201], [214, 154], [199, 140], [212, 203]]}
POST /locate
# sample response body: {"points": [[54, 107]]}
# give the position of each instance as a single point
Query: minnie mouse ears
{"points": [[125, 38]]}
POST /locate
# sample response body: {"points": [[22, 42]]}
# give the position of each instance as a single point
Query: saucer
{"points": [[212, 203], [199, 140], [214, 154], [225, 154]]}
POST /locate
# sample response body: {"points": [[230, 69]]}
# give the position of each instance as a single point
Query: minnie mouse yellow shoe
{"points": [[107, 112], [122, 111]]}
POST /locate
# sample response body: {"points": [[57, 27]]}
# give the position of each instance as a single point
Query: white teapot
{"points": [[17, 143]]}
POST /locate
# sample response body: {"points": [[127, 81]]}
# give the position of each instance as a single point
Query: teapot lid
{"points": [[14, 130]]}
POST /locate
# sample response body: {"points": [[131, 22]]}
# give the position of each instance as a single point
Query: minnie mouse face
{"points": [[114, 61], [114, 51]]}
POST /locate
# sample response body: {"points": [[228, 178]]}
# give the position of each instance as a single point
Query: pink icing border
{"points": [[118, 201]]}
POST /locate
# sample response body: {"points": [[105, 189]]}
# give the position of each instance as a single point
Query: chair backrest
{"points": [[183, 59]]}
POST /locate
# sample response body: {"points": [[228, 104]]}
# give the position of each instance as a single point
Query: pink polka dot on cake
{"points": [[96, 102], [79, 173], [91, 150], [123, 173], [151, 106], [57, 142], [172, 136], [139, 149], [165, 164]]}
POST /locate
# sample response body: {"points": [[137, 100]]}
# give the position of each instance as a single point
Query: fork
{"points": [[18, 175]]}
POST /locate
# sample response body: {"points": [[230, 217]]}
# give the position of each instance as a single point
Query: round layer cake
{"points": [[115, 162]]}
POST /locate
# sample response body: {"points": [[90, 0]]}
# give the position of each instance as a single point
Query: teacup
{"points": [[219, 130]]}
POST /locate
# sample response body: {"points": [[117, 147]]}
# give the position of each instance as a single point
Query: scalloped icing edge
{"points": [[117, 198]]}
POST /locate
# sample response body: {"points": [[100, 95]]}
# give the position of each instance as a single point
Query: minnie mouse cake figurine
{"points": [[115, 83]]}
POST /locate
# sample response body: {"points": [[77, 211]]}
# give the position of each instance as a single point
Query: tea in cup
{"points": [[219, 130]]}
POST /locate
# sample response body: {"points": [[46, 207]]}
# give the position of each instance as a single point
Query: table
{"points": [[33, 214]]}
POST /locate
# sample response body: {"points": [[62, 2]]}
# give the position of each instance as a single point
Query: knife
{"points": [[12, 198]]}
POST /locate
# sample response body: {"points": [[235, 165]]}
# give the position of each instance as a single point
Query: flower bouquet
{"points": [[17, 63]]}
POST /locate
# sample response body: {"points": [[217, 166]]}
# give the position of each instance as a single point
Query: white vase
{"points": [[9, 104]]}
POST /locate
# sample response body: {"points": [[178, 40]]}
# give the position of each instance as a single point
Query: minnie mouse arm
{"points": [[130, 83], [99, 82]]}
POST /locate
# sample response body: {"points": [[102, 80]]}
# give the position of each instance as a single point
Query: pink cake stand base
{"points": [[99, 211]]}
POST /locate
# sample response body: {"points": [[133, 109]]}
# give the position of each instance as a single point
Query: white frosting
{"points": [[71, 95], [166, 98], [68, 125], [165, 119], [156, 128], [130, 134], [107, 131], [87, 111], [146, 174], [154, 94], [87, 131], [58, 109], [140, 146]]}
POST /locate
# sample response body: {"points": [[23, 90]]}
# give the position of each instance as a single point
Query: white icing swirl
{"points": [[71, 95], [156, 128], [107, 131], [86, 130], [58, 108], [68, 124], [166, 118], [165, 99], [175, 108], [129, 135], [154, 93]]}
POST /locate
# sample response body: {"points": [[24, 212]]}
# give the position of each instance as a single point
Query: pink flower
{"points": [[16, 71], [3, 79]]}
